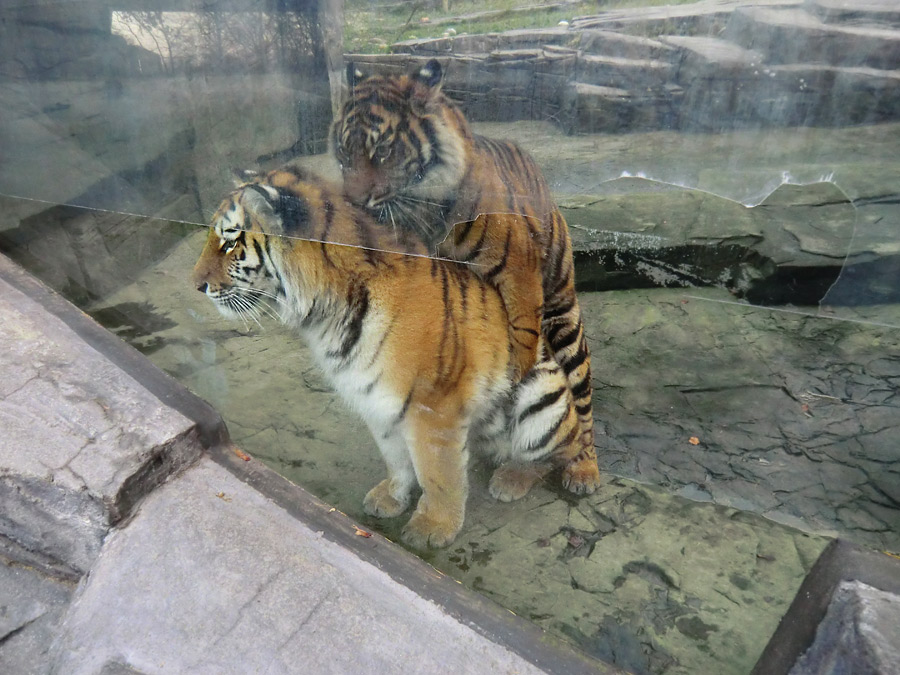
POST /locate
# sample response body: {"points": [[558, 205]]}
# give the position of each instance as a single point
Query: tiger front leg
{"points": [[440, 459], [391, 496]]}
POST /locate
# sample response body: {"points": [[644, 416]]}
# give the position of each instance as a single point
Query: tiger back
{"points": [[408, 341], [408, 156]]}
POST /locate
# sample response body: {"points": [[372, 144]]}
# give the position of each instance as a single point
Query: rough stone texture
{"points": [[621, 45], [59, 240], [793, 414], [213, 577], [31, 607], [855, 10], [786, 35], [790, 248], [859, 634], [701, 66], [504, 84], [82, 442]]}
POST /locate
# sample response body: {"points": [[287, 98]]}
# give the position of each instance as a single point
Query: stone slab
{"points": [[31, 607], [611, 43], [713, 52], [855, 586], [787, 35], [671, 18], [615, 71], [855, 10], [211, 576], [860, 633], [82, 441]]}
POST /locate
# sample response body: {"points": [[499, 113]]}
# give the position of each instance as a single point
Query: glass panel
{"points": [[728, 174]]}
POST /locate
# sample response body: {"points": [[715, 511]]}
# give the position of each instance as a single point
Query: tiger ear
{"points": [[259, 203], [276, 212], [426, 86], [243, 176], [354, 75], [430, 74]]}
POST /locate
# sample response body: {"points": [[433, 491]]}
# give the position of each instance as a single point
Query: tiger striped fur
{"points": [[408, 341], [408, 155]]}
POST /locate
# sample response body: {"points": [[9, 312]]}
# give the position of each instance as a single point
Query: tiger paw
{"points": [[513, 481], [423, 531], [379, 501], [581, 476]]}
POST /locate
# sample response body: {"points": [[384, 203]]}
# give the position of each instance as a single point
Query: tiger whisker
{"points": [[268, 311], [263, 307], [247, 308], [239, 305], [240, 314], [263, 293], [425, 228], [417, 201], [393, 222]]}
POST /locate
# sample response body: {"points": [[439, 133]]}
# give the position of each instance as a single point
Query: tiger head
{"points": [[235, 269], [401, 145]]}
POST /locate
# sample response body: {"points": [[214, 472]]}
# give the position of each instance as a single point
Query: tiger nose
{"points": [[202, 287]]}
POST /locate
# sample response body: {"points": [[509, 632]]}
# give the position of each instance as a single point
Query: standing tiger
{"points": [[408, 341], [408, 156]]}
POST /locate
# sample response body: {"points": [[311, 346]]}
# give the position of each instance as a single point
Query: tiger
{"points": [[408, 155], [417, 346]]}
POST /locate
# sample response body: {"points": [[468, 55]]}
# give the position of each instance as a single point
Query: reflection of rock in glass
{"points": [[409, 342], [409, 157]]}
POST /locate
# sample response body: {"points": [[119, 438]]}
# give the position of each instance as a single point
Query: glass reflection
{"points": [[729, 179]]}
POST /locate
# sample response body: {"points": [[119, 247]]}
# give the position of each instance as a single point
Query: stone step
{"points": [[589, 41], [485, 43], [711, 55], [709, 85], [772, 64], [615, 71], [796, 36], [590, 108], [83, 442], [855, 11], [622, 45]]}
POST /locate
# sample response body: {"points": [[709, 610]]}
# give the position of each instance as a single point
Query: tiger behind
{"points": [[417, 346], [410, 158]]}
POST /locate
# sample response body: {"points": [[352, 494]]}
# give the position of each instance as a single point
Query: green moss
{"points": [[372, 27]]}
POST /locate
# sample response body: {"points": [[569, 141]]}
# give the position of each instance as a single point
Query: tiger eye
{"points": [[381, 153]]}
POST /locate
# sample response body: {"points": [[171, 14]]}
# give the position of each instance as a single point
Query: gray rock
{"points": [[788, 35], [82, 441], [771, 64], [617, 71], [860, 634], [842, 10], [621, 45], [214, 577], [31, 607]]}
